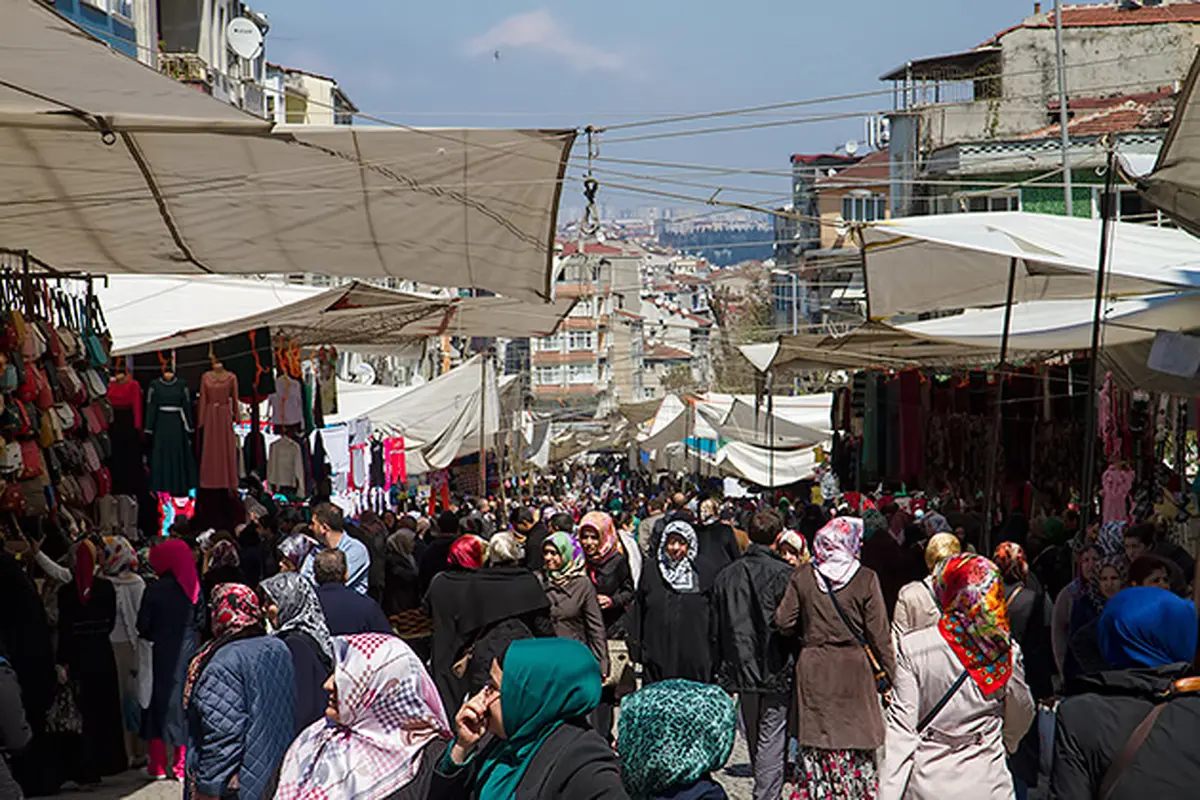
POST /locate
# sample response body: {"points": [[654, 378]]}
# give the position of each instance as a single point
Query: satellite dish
{"points": [[364, 374], [244, 37], [851, 147]]}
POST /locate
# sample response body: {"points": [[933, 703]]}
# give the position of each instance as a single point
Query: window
{"points": [[584, 307], [549, 344], [581, 340], [1131, 207], [974, 203], [582, 373], [864, 207], [549, 376]]}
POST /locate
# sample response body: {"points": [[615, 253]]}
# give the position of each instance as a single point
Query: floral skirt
{"points": [[836, 775]]}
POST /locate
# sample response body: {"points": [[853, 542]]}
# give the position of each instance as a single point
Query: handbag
{"points": [[63, 715], [1124, 758], [883, 684]]}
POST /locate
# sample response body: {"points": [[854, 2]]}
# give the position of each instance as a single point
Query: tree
{"points": [[747, 319], [678, 378]]}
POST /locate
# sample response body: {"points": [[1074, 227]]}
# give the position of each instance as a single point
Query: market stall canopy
{"points": [[872, 345], [1174, 184], [112, 167], [493, 317], [743, 423], [758, 464], [360, 401], [953, 261]]}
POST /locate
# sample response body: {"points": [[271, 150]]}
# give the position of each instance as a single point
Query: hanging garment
{"points": [[169, 421], [378, 478], [285, 465], [360, 434], [254, 448], [327, 383], [320, 461], [1116, 483], [217, 413], [393, 456], [127, 463], [306, 405], [287, 403]]}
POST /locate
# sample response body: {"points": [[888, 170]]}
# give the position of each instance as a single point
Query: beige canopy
{"points": [[1174, 185], [110, 167]]}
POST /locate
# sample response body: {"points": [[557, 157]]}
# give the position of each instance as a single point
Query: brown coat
{"points": [[839, 705], [576, 614]]}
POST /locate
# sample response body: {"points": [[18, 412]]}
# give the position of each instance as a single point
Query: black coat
{"points": [[717, 545], [418, 787], [613, 579], [347, 612], [1096, 720], [574, 763], [170, 621], [535, 539], [434, 560], [14, 729], [671, 633], [751, 655], [25, 633], [1029, 617], [446, 603], [312, 668]]}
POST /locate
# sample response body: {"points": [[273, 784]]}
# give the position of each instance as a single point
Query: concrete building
{"points": [[299, 97], [113, 21], [194, 49]]}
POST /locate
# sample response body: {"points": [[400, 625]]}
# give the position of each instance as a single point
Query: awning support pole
{"points": [[998, 415], [483, 363], [1089, 432]]}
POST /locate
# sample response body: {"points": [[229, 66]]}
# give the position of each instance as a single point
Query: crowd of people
{"points": [[595, 644]]}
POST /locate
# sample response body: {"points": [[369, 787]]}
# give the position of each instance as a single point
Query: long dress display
{"points": [[126, 464], [169, 420], [216, 415]]}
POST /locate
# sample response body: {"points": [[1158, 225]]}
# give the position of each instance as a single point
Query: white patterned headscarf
{"points": [[680, 575], [389, 710], [299, 608], [835, 551]]}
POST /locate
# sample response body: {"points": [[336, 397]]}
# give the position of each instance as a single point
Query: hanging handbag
{"points": [[31, 459], [12, 501], [63, 715], [91, 456], [45, 395], [103, 482], [9, 379], [883, 684], [10, 458]]}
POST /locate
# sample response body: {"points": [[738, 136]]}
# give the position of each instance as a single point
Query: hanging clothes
{"points": [[216, 415], [394, 466], [1117, 483], [127, 463], [327, 381], [287, 403], [285, 466], [360, 434], [320, 462], [378, 477], [169, 421]]}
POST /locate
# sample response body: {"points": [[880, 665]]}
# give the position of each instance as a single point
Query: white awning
{"points": [[1174, 185], [758, 465], [953, 261], [188, 184]]}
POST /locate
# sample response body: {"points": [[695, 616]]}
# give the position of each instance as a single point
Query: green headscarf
{"points": [[574, 562], [672, 734], [546, 682]]}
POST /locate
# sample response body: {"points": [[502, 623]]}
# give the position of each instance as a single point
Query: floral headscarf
{"points": [[680, 575], [573, 560], [897, 524], [120, 559], [603, 524], [835, 551], [795, 541], [467, 552], [235, 614], [1010, 558], [296, 548], [299, 608], [1110, 546], [974, 619], [224, 554], [389, 709]]}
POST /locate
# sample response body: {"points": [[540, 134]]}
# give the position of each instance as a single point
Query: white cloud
{"points": [[539, 31]]}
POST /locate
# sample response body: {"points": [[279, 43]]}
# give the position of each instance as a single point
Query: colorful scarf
{"points": [[672, 734], [835, 551], [574, 564], [466, 552], [1010, 558], [602, 524], [120, 559], [296, 548], [224, 554], [389, 709], [299, 609], [1110, 546], [974, 620], [680, 575], [174, 556], [85, 570], [235, 615]]}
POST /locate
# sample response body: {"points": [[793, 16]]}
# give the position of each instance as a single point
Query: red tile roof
{"points": [[591, 249], [825, 159], [628, 314], [664, 352], [1103, 14], [876, 168], [1095, 116]]}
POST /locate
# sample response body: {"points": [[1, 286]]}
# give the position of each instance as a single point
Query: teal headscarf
{"points": [[546, 682], [672, 734]]}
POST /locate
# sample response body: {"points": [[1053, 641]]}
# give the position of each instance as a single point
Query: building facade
{"points": [[194, 49]]}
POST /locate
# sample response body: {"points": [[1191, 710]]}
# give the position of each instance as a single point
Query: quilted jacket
{"points": [[240, 719]]}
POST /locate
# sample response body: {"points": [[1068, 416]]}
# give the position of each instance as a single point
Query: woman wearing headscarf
{"points": [[884, 556], [384, 729], [1148, 637], [466, 552], [1029, 614], [574, 609], [674, 735], [671, 620], [87, 614], [223, 564], [131, 653], [294, 549], [448, 603], [238, 700], [535, 705], [292, 608], [169, 618], [608, 568], [400, 581], [790, 546], [835, 607], [1075, 592], [917, 607], [1083, 647], [959, 703]]}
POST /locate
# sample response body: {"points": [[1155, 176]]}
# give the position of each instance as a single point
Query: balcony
{"points": [[186, 68]]}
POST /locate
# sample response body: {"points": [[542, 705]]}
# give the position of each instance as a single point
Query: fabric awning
{"points": [[188, 184], [953, 261], [874, 344], [1174, 185]]}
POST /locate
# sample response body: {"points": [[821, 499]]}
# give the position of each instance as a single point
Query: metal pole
{"points": [[795, 308], [771, 428], [1063, 116], [483, 363], [997, 417], [1089, 431]]}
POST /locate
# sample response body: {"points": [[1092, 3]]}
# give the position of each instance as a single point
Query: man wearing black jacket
{"points": [[531, 533], [751, 657], [436, 555]]}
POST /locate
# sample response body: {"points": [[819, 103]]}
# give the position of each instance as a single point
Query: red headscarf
{"points": [[236, 614], [466, 552], [174, 556], [85, 570]]}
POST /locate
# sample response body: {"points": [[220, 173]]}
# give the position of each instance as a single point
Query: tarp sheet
{"points": [[758, 465], [953, 261], [874, 344], [1174, 184], [182, 183]]}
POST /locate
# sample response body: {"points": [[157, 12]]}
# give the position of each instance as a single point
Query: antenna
{"points": [[851, 147], [244, 37]]}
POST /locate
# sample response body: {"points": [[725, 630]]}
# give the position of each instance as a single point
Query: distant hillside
{"points": [[722, 247]]}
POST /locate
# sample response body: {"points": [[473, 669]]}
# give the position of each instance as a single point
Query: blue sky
{"points": [[573, 64]]}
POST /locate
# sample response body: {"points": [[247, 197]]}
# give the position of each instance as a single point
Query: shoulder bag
{"points": [[883, 684], [940, 704], [1124, 759]]}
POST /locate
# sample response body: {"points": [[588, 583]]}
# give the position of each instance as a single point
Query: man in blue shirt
{"points": [[330, 527]]}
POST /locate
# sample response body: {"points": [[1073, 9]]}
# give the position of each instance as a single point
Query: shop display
{"points": [[169, 421], [216, 416], [285, 467], [287, 402], [127, 463]]}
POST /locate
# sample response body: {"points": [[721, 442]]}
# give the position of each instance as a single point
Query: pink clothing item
{"points": [[1117, 484], [127, 394], [393, 460], [174, 556], [216, 415], [835, 551]]}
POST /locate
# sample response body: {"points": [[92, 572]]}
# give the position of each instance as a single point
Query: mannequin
{"points": [[169, 421], [217, 414], [127, 464]]}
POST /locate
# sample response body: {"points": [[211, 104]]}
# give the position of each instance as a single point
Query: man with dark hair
{"points": [[531, 534], [436, 557], [1143, 540], [329, 526], [346, 611], [751, 657], [562, 522], [647, 526]]}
